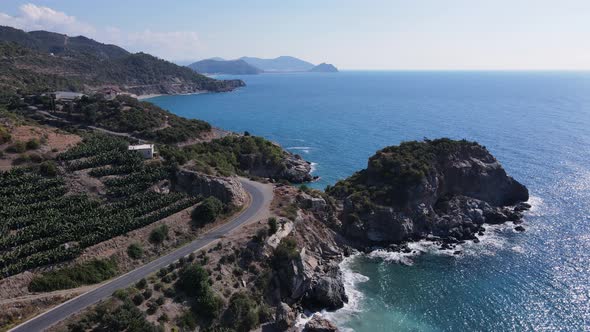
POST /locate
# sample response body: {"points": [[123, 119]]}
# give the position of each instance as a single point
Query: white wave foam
{"points": [[304, 149], [339, 317], [313, 167], [537, 206]]}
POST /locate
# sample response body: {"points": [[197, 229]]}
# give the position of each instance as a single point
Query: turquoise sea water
{"points": [[536, 123]]}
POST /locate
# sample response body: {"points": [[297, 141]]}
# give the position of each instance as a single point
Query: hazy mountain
{"points": [[232, 67], [324, 68], [280, 64]]}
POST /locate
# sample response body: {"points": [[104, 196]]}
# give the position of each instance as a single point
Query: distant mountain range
{"points": [[252, 65], [233, 67], [42, 60]]}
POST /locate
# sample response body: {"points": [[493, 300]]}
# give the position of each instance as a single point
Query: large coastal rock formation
{"points": [[292, 167], [227, 189], [441, 188]]}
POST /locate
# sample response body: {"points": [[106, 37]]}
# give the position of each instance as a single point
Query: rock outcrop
{"points": [[319, 324], [439, 188], [227, 189], [293, 168]]}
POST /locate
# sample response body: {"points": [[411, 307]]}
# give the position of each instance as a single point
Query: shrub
{"points": [[48, 168], [17, 147], [242, 313], [33, 144], [135, 251], [91, 272], [147, 294], [207, 211], [160, 300], [121, 294], [159, 234], [138, 299], [141, 284], [5, 136], [285, 252], [272, 225], [163, 318]]}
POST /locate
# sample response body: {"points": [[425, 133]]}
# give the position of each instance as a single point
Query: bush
{"points": [[33, 144], [194, 281], [135, 251], [5, 136], [48, 168], [90, 272], [242, 313], [147, 294], [17, 147], [141, 284], [273, 226], [138, 299], [207, 211], [159, 234], [285, 252]]}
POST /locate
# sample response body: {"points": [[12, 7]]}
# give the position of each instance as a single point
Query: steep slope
{"points": [[280, 64], [48, 61], [232, 67]]}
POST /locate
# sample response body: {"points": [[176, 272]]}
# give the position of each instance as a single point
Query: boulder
{"points": [[326, 292], [285, 317], [319, 324]]}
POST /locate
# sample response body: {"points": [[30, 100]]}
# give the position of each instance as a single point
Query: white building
{"points": [[146, 150]]}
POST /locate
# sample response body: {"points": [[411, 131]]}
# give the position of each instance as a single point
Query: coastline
{"points": [[153, 95]]}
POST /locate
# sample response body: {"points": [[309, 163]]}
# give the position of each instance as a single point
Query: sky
{"points": [[368, 34]]}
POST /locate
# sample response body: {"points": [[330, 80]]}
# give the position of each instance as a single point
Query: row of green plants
{"points": [[42, 223]]}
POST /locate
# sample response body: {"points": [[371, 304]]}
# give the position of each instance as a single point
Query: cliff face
{"points": [[440, 188], [226, 189], [293, 168]]}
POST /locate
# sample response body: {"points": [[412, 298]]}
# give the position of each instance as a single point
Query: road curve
{"points": [[260, 198]]}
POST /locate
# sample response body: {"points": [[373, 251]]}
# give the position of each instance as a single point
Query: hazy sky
{"points": [[368, 34]]}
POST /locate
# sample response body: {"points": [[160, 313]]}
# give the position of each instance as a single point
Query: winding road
{"points": [[260, 198]]}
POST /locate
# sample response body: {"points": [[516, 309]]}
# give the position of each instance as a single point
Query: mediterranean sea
{"points": [[537, 124]]}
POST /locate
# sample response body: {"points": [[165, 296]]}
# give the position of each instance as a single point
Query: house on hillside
{"points": [[146, 150], [66, 95]]}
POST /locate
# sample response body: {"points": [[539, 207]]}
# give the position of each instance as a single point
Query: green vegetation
{"points": [[194, 282], [230, 155], [43, 224], [48, 168], [90, 272], [285, 252], [128, 115], [26, 66], [273, 226], [392, 170], [242, 313], [207, 211], [159, 234], [5, 136], [33, 144], [109, 317], [17, 147], [135, 251]]}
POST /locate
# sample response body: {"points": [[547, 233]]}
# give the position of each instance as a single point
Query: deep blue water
{"points": [[536, 123]]}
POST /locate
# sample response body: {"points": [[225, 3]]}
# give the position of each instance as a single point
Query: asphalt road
{"points": [[260, 197]]}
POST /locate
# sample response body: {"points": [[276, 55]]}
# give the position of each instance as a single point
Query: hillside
{"points": [[324, 68], [280, 64], [231, 67], [48, 61]]}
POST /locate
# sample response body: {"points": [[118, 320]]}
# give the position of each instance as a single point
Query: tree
{"points": [[242, 313], [135, 251], [159, 234], [207, 211], [272, 225]]}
